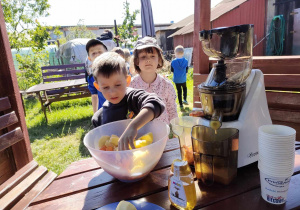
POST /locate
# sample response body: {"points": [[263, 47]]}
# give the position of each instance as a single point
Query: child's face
{"points": [[95, 51], [114, 87], [148, 62]]}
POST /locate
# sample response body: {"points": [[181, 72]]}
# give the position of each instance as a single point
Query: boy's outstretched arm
{"points": [[95, 102], [128, 136]]}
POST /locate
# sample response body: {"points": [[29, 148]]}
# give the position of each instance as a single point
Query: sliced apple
{"points": [[148, 137], [114, 140], [101, 142], [125, 205]]}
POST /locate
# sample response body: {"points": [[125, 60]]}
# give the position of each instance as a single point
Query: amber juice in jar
{"points": [[181, 187]]}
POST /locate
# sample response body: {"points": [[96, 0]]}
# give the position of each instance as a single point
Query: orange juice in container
{"points": [[182, 127]]}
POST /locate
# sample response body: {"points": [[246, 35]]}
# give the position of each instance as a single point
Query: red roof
{"points": [[187, 24]]}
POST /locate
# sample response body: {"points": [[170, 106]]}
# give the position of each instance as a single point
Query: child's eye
{"points": [[118, 85], [105, 88]]}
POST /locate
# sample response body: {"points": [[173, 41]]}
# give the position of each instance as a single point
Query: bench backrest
{"points": [[63, 72], [8, 137]]}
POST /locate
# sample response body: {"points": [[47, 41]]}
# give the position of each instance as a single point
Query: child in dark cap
{"points": [[122, 102], [94, 48]]}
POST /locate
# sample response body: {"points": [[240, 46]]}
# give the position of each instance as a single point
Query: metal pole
{"points": [[116, 32]]}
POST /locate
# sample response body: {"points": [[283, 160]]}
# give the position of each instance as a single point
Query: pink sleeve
{"points": [[171, 102]]}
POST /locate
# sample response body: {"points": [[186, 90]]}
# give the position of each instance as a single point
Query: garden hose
{"points": [[276, 37]]}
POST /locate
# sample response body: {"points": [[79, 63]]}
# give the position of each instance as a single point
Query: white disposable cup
{"points": [[276, 130], [279, 166], [279, 163], [274, 189], [273, 146], [276, 157], [275, 171], [276, 143], [276, 135]]}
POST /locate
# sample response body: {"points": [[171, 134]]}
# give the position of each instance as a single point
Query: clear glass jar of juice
{"points": [[181, 187]]}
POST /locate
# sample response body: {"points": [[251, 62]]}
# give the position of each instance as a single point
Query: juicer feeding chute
{"points": [[223, 93]]}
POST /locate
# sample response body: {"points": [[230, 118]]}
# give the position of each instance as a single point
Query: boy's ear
{"points": [[128, 80], [96, 86]]}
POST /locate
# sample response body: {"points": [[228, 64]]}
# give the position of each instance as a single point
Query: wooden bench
{"points": [[19, 190], [64, 82], [282, 83]]}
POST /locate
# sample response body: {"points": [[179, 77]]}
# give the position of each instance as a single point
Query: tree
{"points": [[126, 31], [25, 31], [22, 25]]}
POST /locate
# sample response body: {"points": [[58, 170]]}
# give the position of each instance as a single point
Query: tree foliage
{"points": [[24, 30], [127, 32], [21, 22]]}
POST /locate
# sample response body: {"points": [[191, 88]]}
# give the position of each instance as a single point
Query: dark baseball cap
{"points": [[93, 42], [145, 43]]}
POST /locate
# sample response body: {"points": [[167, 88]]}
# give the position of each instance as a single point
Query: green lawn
{"points": [[60, 142]]}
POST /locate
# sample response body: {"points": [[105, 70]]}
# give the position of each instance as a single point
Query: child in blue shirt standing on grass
{"points": [[94, 48], [179, 67]]}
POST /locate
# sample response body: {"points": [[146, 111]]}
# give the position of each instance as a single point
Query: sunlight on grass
{"points": [[58, 143], [57, 153]]}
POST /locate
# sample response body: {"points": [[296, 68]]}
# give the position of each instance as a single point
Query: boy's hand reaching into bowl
{"points": [[127, 138]]}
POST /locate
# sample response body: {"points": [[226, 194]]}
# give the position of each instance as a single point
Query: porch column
{"points": [[9, 87], [201, 61], [201, 22]]}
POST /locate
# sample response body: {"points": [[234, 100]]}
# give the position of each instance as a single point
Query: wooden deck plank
{"points": [[93, 179], [155, 181], [291, 116], [17, 177], [35, 191], [248, 179], [283, 100], [13, 196], [282, 82]]}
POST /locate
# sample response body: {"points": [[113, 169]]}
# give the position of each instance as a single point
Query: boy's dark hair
{"points": [[107, 64], [92, 43], [119, 50], [147, 50], [107, 34]]}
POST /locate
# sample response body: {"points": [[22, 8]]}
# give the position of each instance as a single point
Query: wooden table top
{"points": [[55, 85], [84, 185]]}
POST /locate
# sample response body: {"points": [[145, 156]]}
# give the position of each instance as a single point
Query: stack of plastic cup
{"points": [[276, 148]]}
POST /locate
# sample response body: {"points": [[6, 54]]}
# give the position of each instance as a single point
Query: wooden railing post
{"points": [[201, 22], [201, 61], [9, 87]]}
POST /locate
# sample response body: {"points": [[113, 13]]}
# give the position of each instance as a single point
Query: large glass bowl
{"points": [[128, 165]]}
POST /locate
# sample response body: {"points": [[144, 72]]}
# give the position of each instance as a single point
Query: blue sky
{"points": [[103, 12]]}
